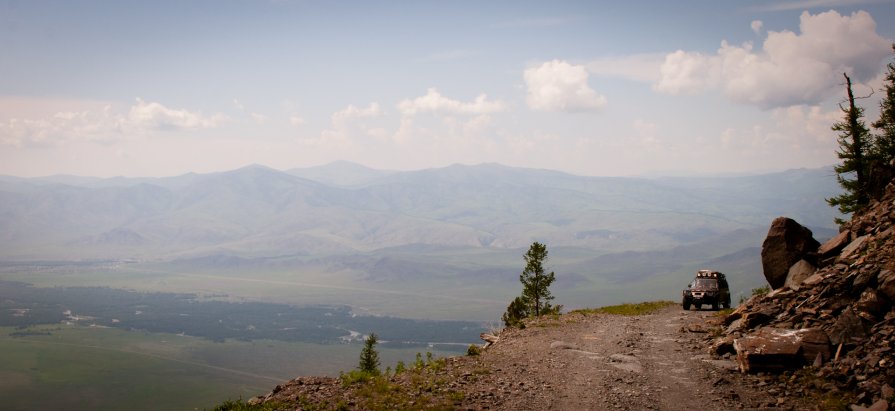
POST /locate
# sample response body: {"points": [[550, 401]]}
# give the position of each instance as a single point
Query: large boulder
{"points": [[787, 243]]}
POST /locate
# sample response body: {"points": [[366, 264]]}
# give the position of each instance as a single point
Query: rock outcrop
{"points": [[831, 307], [787, 243]]}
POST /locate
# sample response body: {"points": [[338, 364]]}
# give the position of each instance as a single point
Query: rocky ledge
{"points": [[828, 322]]}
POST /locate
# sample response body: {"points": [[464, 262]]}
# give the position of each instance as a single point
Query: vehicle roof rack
{"points": [[709, 274]]}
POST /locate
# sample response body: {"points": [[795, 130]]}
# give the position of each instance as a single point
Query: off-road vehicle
{"points": [[709, 287]]}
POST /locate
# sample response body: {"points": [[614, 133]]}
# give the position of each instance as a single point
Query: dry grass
{"points": [[643, 308]]}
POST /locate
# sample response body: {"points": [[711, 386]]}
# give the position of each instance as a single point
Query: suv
{"points": [[709, 287]]}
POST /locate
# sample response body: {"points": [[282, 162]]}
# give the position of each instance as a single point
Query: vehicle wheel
{"points": [[686, 305], [715, 306], [698, 306], [726, 304]]}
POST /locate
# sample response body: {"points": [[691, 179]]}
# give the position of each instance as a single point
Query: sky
{"points": [[162, 88]]}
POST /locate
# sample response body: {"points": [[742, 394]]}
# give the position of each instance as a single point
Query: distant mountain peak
{"points": [[340, 173], [256, 166]]}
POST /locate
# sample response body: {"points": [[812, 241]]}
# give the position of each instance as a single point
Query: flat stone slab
{"points": [[778, 349]]}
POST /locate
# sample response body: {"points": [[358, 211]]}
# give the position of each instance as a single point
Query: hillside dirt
{"points": [[574, 362]]}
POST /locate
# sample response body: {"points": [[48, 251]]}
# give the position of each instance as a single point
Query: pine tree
{"points": [[884, 144], [536, 281], [853, 146], [536, 296], [369, 358]]}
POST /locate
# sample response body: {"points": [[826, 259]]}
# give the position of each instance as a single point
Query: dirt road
{"points": [[575, 362], [603, 362]]}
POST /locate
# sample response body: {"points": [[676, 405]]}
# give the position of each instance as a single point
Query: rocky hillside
{"points": [[829, 321]]}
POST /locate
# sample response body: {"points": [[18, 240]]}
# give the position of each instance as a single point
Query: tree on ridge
{"points": [[853, 145], [883, 148], [536, 281]]}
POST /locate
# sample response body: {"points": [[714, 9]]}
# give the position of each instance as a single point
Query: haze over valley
{"points": [[236, 280], [382, 241]]}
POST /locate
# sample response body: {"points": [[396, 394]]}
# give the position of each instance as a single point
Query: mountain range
{"points": [[436, 226]]}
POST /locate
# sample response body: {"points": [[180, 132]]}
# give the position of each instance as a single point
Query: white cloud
{"points": [[296, 120], [351, 113], [687, 73], [559, 86], [102, 125], [811, 125], [791, 69], [794, 131], [756, 26], [452, 122], [433, 102], [152, 115], [346, 124]]}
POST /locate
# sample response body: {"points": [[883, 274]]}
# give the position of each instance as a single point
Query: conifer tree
{"points": [[369, 357], [853, 146], [884, 143], [536, 281], [536, 296]]}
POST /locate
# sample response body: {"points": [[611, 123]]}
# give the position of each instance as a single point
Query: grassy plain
{"points": [[77, 367], [582, 281], [425, 299]]}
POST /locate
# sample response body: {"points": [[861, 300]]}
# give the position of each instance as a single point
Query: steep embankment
{"points": [[831, 318]]}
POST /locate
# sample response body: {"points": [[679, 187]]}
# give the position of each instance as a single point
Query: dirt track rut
{"points": [[604, 362]]}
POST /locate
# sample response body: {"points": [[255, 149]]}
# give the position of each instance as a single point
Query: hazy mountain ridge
{"points": [[257, 211], [263, 234]]}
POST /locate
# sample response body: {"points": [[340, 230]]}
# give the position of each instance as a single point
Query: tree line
{"points": [[867, 157]]}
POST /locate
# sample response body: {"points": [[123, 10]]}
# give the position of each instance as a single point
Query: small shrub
{"points": [[418, 363], [435, 364], [763, 290], [355, 377], [473, 350], [239, 405]]}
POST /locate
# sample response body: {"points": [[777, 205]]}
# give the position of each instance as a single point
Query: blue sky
{"points": [[596, 88]]}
